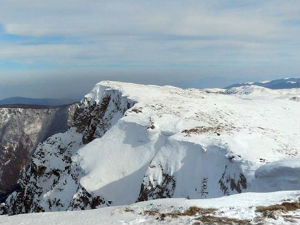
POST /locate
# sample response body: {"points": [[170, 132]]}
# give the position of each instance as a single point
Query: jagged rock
{"points": [[232, 181], [51, 181], [83, 200], [165, 189]]}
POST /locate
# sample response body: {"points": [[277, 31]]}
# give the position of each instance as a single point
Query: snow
{"points": [[279, 175], [239, 206], [69, 141], [284, 83], [253, 124], [165, 142]]}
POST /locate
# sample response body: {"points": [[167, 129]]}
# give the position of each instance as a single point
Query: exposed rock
{"points": [[22, 127], [232, 181], [83, 200], [51, 181], [165, 189]]}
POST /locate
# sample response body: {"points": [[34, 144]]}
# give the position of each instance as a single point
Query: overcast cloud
{"points": [[61, 48]]}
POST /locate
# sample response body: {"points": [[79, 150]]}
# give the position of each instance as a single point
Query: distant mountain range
{"points": [[284, 83], [36, 101]]}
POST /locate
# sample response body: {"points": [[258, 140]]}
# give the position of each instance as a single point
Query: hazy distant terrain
{"points": [[284, 83], [36, 101]]}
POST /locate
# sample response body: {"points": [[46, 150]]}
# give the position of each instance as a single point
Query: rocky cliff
{"points": [[22, 127]]}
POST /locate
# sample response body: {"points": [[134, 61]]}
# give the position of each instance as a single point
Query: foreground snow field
{"points": [[243, 208]]}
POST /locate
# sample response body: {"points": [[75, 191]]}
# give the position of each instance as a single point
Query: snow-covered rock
{"points": [[135, 142]]}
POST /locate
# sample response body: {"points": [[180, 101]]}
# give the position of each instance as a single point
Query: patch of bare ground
{"points": [[206, 216], [272, 210], [203, 129], [128, 210], [192, 211], [137, 110], [207, 219]]}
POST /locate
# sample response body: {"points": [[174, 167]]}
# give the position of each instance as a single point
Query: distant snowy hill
{"points": [[36, 101], [133, 142], [273, 84]]}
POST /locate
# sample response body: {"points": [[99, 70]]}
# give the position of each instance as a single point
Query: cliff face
{"points": [[133, 143], [51, 180], [22, 127]]}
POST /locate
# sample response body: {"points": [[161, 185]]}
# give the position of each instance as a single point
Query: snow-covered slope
{"points": [[246, 208], [135, 142]]}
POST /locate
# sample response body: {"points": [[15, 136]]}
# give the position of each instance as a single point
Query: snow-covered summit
{"points": [[133, 142], [173, 135], [192, 114]]}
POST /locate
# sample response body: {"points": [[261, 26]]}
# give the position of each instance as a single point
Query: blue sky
{"points": [[61, 48]]}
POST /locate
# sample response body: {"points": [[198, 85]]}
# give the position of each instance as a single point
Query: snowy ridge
{"points": [[254, 91], [135, 142], [170, 143]]}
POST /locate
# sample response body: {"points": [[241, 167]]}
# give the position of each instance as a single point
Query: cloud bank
{"points": [[185, 43]]}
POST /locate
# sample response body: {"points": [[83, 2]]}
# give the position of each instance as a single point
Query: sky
{"points": [[60, 49]]}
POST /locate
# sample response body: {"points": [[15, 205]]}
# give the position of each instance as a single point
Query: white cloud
{"points": [[186, 18], [188, 37]]}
